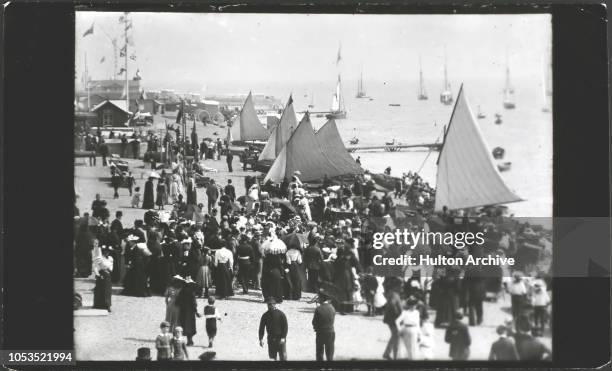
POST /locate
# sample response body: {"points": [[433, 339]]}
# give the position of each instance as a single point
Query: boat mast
{"points": [[87, 84], [445, 71], [421, 89], [127, 79]]}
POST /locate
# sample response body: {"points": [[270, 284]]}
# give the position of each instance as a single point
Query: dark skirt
{"points": [[296, 281], [118, 267], [135, 283], [103, 291], [272, 285], [223, 281]]}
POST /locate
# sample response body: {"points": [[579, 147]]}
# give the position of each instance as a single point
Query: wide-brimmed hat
{"points": [[297, 172], [132, 238]]}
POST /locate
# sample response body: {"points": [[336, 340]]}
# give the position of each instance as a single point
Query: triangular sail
{"points": [[302, 152], [248, 127], [467, 175], [288, 123], [268, 152], [330, 141]]}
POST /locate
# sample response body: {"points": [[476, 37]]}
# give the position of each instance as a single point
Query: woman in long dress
{"points": [[136, 277], [102, 267], [188, 306], [408, 324], [172, 309], [148, 201], [294, 260], [343, 279], [272, 277], [203, 277], [161, 199], [223, 274]]}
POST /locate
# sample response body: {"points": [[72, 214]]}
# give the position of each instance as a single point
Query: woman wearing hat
{"points": [[148, 201], [172, 309], [203, 277], [224, 261], [162, 194], [136, 277], [102, 267], [408, 324], [188, 309]]}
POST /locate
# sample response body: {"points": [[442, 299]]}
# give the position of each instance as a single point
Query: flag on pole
{"points": [[121, 71], [122, 51], [89, 31], [339, 57], [102, 60], [133, 57]]}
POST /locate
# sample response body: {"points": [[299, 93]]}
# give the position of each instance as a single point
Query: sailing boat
{"points": [[422, 93], [354, 139], [311, 105], [508, 90], [446, 97], [480, 114], [360, 90], [337, 109], [464, 184]]}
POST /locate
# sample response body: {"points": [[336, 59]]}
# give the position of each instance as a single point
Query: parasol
{"points": [[154, 174], [274, 246], [296, 241]]}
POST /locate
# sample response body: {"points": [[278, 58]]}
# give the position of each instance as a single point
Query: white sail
{"points": [[247, 126], [337, 98], [269, 151], [467, 175]]}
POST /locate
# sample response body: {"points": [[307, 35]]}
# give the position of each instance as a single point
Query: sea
{"points": [[525, 133]]}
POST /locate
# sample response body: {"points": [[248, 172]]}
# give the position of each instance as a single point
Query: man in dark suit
{"points": [[393, 309], [503, 349], [313, 257], [245, 258], [230, 191], [458, 336], [212, 192], [528, 347], [274, 322], [476, 291], [229, 158], [323, 324]]}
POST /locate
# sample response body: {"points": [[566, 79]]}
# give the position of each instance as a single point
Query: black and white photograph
{"points": [[313, 187]]}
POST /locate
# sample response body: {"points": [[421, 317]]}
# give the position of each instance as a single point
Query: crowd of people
{"points": [[286, 239]]}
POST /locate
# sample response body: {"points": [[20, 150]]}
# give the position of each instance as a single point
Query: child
{"points": [[162, 343], [540, 300], [426, 340], [179, 345], [210, 313], [136, 197]]}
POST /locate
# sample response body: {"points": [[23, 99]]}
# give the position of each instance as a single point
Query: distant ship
{"points": [[360, 90], [337, 108], [508, 90], [422, 95], [446, 97], [480, 114]]}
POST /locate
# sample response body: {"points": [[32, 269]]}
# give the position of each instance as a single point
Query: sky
{"points": [[200, 51]]}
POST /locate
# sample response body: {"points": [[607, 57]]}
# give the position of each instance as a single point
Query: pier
{"points": [[394, 147]]}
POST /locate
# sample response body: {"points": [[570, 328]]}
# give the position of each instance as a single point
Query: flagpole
{"points": [[87, 84], [127, 81]]}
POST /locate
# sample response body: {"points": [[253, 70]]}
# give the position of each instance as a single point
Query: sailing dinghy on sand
{"points": [[278, 138], [467, 174], [314, 155], [247, 127]]}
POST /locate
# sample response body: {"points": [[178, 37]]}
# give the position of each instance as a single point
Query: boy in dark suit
{"points": [[503, 349], [274, 322], [458, 336], [323, 324]]}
